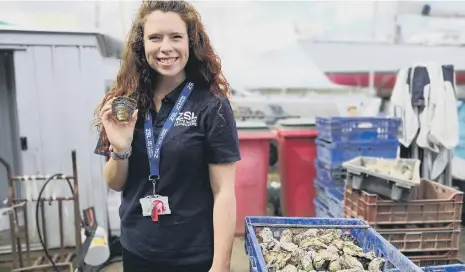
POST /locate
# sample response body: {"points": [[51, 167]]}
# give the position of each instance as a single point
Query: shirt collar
{"points": [[173, 95]]}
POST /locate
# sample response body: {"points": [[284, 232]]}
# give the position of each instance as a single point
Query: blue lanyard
{"points": [[153, 148]]}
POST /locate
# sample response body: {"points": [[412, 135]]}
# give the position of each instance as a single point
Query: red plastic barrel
{"points": [[296, 155], [252, 172]]}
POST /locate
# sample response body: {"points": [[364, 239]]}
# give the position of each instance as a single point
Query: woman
{"points": [[189, 225]]}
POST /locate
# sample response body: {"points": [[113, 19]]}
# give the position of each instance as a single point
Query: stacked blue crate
{"points": [[341, 139]]}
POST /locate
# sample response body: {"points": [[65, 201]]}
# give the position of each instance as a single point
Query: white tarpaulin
{"points": [[289, 67]]}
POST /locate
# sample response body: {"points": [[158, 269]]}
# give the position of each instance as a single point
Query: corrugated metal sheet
{"points": [[59, 81]]}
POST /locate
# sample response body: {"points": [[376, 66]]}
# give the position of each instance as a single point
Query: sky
{"points": [[226, 21], [245, 31]]}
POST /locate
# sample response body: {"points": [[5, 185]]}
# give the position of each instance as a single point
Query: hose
{"points": [[47, 254]]}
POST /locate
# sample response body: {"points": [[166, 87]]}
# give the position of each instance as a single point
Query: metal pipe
{"points": [[49, 199], [26, 227], [60, 222], [77, 215], [44, 224], [39, 178]]}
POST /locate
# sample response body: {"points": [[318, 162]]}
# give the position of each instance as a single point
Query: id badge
{"points": [[154, 206], [146, 205]]}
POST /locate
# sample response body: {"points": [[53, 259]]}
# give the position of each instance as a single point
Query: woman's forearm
{"points": [[224, 225], [115, 173]]}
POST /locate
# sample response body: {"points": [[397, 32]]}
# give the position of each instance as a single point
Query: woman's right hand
{"points": [[119, 133]]}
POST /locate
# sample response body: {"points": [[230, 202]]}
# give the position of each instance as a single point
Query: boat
{"points": [[351, 63]]}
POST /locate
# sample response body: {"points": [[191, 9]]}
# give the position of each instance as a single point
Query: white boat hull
{"points": [[351, 57]]}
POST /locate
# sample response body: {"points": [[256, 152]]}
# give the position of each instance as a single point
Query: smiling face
{"points": [[166, 43]]}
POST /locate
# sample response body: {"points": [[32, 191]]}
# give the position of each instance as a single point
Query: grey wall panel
{"points": [[58, 89]]}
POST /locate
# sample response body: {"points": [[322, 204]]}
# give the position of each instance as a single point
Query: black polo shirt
{"points": [[204, 133]]}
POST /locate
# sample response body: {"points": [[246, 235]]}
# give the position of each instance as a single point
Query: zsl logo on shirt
{"points": [[186, 119]]}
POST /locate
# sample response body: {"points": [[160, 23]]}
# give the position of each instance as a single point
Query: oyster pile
{"points": [[315, 250]]}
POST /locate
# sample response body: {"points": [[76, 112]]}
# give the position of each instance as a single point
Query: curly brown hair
{"points": [[136, 78]]}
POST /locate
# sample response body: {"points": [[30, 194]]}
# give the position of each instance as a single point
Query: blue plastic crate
{"points": [[322, 187], [321, 194], [328, 173], [367, 237], [321, 210], [440, 268], [336, 202], [338, 129], [338, 153]]}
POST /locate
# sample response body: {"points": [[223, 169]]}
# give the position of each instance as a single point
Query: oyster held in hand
{"points": [[123, 107]]}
